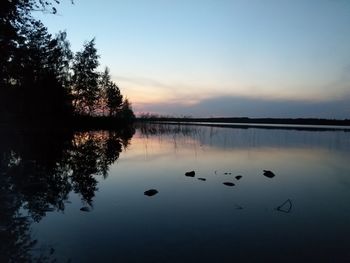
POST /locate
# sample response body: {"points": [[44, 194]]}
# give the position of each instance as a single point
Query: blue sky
{"points": [[176, 57]]}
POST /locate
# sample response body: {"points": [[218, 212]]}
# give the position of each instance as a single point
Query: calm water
{"points": [[79, 196]]}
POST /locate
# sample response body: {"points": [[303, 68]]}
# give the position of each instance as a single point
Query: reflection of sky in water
{"points": [[255, 137], [194, 221]]}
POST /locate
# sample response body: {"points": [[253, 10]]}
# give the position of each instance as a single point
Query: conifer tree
{"points": [[85, 89], [111, 94]]}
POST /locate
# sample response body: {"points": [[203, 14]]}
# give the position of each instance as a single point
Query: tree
{"points": [[126, 112], [105, 80], [110, 94], [33, 65], [85, 88], [14, 15], [15, 21], [39, 79], [40, 72], [60, 57], [114, 99], [34, 53]]}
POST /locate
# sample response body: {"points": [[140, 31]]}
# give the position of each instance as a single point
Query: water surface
{"points": [[79, 196]]}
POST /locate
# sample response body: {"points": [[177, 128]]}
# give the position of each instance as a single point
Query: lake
{"points": [[80, 196]]}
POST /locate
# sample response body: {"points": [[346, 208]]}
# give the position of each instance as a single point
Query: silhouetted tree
{"points": [[60, 58], [39, 80], [111, 97], [15, 21], [126, 113], [114, 99], [14, 15], [32, 79], [42, 74], [104, 82], [85, 79]]}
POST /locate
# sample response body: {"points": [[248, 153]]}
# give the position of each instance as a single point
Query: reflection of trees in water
{"points": [[38, 170], [91, 154], [16, 243]]}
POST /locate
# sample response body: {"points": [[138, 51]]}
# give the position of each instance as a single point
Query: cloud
{"points": [[150, 95], [253, 107], [142, 81], [144, 90]]}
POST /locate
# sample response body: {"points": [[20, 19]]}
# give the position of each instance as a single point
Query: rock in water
{"points": [[286, 207], [238, 177], [238, 207], [85, 209], [269, 174], [202, 179], [228, 183], [151, 192], [190, 174]]}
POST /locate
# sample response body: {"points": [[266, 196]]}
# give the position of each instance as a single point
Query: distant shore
{"points": [[244, 120]]}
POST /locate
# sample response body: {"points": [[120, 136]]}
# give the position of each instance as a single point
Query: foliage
{"points": [[85, 79], [126, 111], [40, 77], [111, 94]]}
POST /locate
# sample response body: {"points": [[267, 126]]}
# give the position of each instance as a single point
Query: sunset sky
{"points": [[271, 58]]}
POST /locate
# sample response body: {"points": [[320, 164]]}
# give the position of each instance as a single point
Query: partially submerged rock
{"points": [[269, 174], [238, 207], [202, 179], [85, 209], [286, 207], [228, 183], [151, 192], [190, 174], [238, 177]]}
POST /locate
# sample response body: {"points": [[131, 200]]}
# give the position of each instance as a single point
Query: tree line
{"points": [[40, 76]]}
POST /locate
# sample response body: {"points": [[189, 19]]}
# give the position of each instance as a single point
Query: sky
{"points": [[211, 58]]}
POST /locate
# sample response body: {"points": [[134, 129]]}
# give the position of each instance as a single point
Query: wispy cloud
{"points": [[143, 81], [144, 91]]}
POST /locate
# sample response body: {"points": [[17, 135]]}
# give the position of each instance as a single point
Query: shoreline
{"points": [[258, 121]]}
